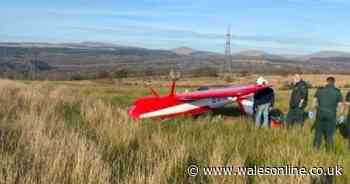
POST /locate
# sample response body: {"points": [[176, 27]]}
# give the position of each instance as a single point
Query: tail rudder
{"points": [[173, 87]]}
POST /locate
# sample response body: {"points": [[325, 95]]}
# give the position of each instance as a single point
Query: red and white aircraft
{"points": [[193, 103]]}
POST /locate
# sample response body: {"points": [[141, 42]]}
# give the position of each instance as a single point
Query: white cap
{"points": [[261, 81]]}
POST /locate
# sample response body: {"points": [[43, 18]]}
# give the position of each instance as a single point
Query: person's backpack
{"points": [[343, 129], [277, 118]]}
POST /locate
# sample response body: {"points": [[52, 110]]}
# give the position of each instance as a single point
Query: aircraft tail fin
{"points": [[173, 87]]}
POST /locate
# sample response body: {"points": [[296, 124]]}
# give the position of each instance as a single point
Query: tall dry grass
{"points": [[55, 134], [36, 146]]}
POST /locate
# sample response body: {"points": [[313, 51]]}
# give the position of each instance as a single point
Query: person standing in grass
{"points": [[263, 102], [326, 101], [347, 102], [298, 102]]}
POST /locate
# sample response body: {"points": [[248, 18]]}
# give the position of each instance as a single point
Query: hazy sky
{"points": [[279, 26]]}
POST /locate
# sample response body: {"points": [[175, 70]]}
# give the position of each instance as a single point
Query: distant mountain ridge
{"points": [[185, 51], [90, 57], [257, 54], [328, 54], [180, 50], [253, 53], [80, 45]]}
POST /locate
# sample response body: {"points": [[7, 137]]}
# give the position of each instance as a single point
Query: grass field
{"points": [[79, 132]]}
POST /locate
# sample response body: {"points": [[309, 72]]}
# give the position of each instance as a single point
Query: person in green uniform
{"points": [[347, 102], [326, 101], [298, 102]]}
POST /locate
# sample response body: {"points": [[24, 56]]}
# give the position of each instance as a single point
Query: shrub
{"points": [[103, 75], [122, 73], [76, 76]]}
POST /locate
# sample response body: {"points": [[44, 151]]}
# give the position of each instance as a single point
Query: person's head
{"points": [[297, 78], [330, 80], [261, 81]]}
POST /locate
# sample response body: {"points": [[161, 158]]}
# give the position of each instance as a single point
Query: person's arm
{"points": [[341, 107], [254, 101], [303, 95], [301, 103], [272, 98], [347, 100], [314, 104], [341, 104]]}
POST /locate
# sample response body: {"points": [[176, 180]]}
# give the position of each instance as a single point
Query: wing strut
{"points": [[153, 92]]}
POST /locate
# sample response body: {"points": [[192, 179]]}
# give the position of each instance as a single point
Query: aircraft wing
{"points": [[233, 91]]}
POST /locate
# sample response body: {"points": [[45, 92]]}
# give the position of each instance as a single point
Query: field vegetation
{"points": [[79, 132]]}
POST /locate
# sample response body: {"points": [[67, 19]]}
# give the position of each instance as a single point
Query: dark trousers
{"points": [[295, 116], [324, 130], [348, 127]]}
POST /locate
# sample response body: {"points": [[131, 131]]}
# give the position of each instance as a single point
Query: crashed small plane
{"points": [[194, 103]]}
